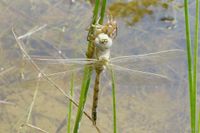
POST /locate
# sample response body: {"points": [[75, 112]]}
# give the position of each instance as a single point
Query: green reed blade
{"points": [[190, 77], [87, 72], [95, 16], [90, 48], [192, 71], [114, 101], [196, 44], [195, 71], [70, 104], [103, 9], [83, 95], [196, 59], [95, 11], [199, 123]]}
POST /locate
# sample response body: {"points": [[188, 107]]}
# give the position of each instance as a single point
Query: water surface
{"points": [[144, 104]]}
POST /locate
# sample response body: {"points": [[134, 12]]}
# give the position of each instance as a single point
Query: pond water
{"points": [[145, 104]]}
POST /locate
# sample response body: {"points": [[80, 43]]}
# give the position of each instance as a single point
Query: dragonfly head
{"points": [[103, 41]]}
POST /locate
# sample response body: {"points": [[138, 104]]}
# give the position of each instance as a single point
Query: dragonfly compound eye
{"points": [[103, 41]]}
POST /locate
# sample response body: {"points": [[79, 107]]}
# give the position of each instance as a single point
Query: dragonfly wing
{"points": [[160, 62], [142, 97], [140, 72], [80, 61], [62, 66], [138, 78], [155, 58], [59, 70]]}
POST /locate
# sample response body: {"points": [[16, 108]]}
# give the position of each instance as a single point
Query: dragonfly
{"points": [[102, 65], [102, 61]]}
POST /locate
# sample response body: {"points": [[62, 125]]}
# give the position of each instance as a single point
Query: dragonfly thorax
{"points": [[103, 44], [101, 64]]}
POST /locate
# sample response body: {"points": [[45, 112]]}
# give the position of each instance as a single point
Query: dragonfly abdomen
{"points": [[95, 97]]}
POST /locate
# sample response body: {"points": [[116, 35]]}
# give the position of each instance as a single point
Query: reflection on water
{"points": [[141, 107]]}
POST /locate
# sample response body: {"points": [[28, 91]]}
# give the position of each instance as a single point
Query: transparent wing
{"points": [[59, 70], [138, 90], [148, 69], [51, 64], [156, 56], [62, 66], [79, 61], [139, 74], [62, 86], [135, 78], [156, 62]]}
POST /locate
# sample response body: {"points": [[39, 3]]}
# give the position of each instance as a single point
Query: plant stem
{"points": [[83, 96], [90, 49], [103, 8], [190, 77], [196, 59], [96, 11], [70, 104], [114, 102], [196, 46], [88, 70], [199, 123]]}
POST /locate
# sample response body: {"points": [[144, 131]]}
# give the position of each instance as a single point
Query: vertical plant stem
{"points": [[103, 9], [196, 57], [114, 101], [83, 95], [70, 104], [96, 11], [199, 122], [87, 70], [90, 49], [196, 45], [190, 77]]}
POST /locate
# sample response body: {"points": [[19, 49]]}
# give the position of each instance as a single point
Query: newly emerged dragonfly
{"points": [[121, 65], [138, 77], [124, 65]]}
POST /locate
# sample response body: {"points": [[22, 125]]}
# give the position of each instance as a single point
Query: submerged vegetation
{"points": [[135, 10]]}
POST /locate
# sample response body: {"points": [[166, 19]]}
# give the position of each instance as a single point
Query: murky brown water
{"points": [[145, 104]]}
